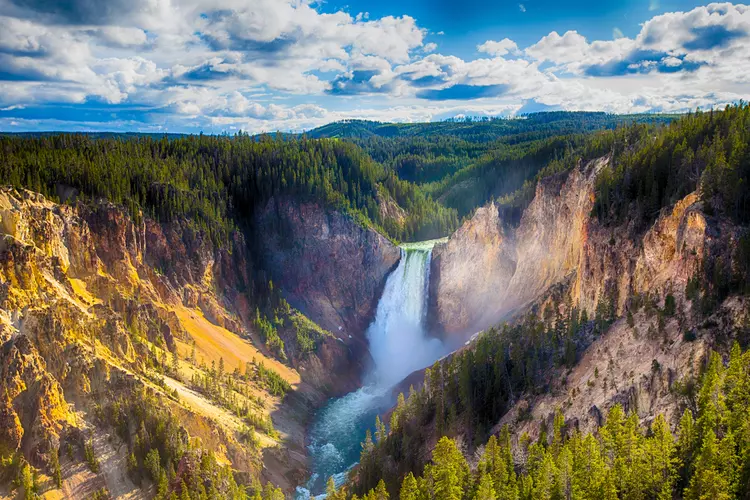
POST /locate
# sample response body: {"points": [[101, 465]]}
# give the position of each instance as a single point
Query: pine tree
{"points": [[398, 412], [557, 433], [380, 432], [381, 493], [707, 481], [544, 476], [184, 493], [56, 470], [498, 463], [330, 488], [609, 486], [27, 481], [331, 492], [737, 387], [486, 490], [449, 472], [564, 480], [409, 488], [711, 405], [367, 445], [589, 471], [687, 443], [660, 460]]}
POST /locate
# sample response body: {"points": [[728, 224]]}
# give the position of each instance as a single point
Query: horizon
{"points": [[455, 119], [262, 66]]}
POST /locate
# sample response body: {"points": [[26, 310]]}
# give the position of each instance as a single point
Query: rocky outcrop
{"points": [[487, 269], [470, 274], [631, 366], [559, 258], [92, 300], [33, 410], [329, 267], [618, 263]]}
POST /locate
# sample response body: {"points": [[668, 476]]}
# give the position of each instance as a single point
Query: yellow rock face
{"points": [[87, 297]]}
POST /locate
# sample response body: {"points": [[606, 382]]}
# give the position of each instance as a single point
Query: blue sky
{"points": [[266, 65]]}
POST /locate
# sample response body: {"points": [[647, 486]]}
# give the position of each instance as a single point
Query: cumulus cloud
{"points": [[233, 65], [234, 105], [501, 48], [714, 36], [122, 37]]}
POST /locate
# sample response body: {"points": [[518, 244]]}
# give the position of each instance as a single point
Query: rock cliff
{"points": [[487, 269], [559, 258], [95, 304], [328, 266]]}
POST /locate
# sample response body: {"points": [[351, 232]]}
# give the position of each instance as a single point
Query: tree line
{"points": [[220, 181]]}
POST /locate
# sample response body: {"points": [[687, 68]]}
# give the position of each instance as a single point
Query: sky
{"points": [[216, 66]]}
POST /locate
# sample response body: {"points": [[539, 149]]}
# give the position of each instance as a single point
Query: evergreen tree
{"points": [[380, 492], [660, 460], [409, 489], [449, 471], [707, 481], [486, 490]]}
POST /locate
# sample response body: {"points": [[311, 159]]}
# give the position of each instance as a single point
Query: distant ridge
{"points": [[471, 129], [486, 129]]}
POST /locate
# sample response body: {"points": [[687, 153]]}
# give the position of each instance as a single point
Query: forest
{"points": [[707, 458], [486, 129], [465, 163], [218, 181], [436, 173], [653, 169]]}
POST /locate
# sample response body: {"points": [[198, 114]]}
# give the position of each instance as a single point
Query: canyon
{"points": [[93, 298]]}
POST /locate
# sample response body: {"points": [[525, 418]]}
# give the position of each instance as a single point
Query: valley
{"points": [[375, 311]]}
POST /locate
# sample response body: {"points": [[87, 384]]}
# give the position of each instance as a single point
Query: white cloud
{"points": [[713, 39], [521, 7], [196, 59], [124, 37], [501, 48]]}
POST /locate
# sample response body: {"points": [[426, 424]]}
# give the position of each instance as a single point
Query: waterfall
{"points": [[399, 345], [398, 341]]}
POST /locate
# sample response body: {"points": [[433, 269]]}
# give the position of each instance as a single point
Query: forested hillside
{"points": [[435, 173], [219, 181], [465, 163], [526, 127], [649, 169], [707, 457], [654, 168]]}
